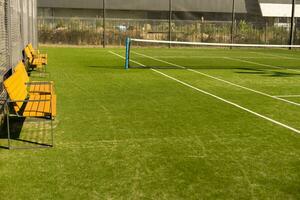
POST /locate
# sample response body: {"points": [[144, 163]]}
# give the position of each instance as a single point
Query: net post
{"points": [[128, 41]]}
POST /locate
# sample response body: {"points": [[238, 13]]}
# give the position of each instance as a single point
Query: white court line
{"points": [[125, 58], [260, 64], [218, 79], [217, 97], [287, 96]]}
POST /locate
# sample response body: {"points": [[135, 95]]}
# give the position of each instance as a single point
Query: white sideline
{"points": [[287, 96], [260, 64], [124, 58], [217, 97], [222, 80]]}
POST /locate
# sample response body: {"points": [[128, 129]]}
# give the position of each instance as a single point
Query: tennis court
{"points": [[172, 99], [180, 123]]}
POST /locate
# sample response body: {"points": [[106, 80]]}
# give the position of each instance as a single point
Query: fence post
{"points": [[170, 22], [266, 31], [9, 46], [292, 30], [202, 28], [232, 21], [104, 21], [22, 23]]}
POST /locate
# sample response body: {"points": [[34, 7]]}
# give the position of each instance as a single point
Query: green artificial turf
{"points": [[138, 134]]}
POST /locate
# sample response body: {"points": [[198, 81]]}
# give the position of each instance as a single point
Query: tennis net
{"points": [[199, 55]]}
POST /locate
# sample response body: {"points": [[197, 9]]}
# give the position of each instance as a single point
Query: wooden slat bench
{"points": [[42, 87], [36, 53], [21, 103], [34, 63]]}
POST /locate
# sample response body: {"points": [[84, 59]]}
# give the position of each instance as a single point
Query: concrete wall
{"points": [[153, 5]]}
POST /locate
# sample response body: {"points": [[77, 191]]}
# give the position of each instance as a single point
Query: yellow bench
{"points": [[42, 87], [21, 103], [38, 62], [36, 53]]}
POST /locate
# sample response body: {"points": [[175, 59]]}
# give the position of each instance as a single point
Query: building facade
{"points": [[146, 9], [159, 9]]}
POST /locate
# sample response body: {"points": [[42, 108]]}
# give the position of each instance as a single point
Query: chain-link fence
{"points": [[236, 21], [17, 29]]}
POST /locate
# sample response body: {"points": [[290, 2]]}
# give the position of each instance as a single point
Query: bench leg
{"points": [[52, 136], [8, 127]]}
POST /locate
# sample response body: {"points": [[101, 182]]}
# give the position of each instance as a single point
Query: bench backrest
{"points": [[16, 89], [30, 47], [28, 54], [22, 69]]}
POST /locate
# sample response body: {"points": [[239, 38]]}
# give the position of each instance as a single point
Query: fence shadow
{"points": [[16, 125], [266, 72], [25, 133]]}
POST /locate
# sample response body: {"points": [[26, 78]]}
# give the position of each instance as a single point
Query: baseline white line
{"points": [[260, 64], [287, 96], [219, 79], [219, 98]]}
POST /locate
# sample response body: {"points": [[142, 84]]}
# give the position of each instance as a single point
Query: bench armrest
{"points": [[26, 101], [39, 52]]}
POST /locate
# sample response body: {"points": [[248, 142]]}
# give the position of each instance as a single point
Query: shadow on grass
{"points": [[266, 72], [16, 127], [242, 70], [105, 67]]}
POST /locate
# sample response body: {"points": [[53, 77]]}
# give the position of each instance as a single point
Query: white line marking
{"points": [[287, 96], [124, 58], [260, 64], [217, 97], [218, 79]]}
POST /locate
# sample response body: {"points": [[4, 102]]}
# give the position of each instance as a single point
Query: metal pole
{"points": [[9, 31], [292, 31], [266, 31], [232, 21], [170, 22], [22, 25], [104, 21], [36, 27], [7, 125], [28, 23]]}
